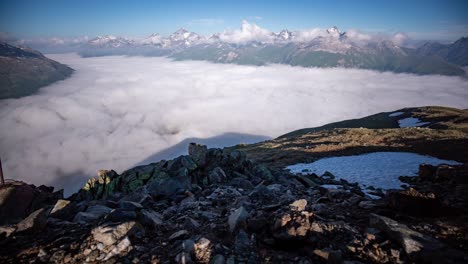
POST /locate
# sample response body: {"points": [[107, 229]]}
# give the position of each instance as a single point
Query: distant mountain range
{"points": [[23, 71], [253, 45], [328, 48], [456, 53]]}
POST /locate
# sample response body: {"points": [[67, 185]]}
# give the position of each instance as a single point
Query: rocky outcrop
{"points": [[18, 200], [216, 206], [441, 190], [166, 179], [417, 246]]}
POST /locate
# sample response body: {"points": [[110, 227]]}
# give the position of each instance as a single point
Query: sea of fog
{"points": [[115, 112]]}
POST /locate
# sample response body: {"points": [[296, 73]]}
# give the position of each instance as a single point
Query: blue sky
{"points": [[427, 19]]}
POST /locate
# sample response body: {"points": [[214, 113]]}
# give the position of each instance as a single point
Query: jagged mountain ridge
{"points": [[329, 48], [456, 53]]}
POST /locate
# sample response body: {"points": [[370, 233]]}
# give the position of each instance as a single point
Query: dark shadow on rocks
{"points": [[220, 141], [70, 182]]}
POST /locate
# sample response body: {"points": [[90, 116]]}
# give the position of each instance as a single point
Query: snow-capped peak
{"points": [[184, 37], [153, 39], [285, 34], [333, 30], [110, 41]]}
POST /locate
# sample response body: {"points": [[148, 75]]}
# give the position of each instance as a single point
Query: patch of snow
{"points": [[411, 122], [378, 169], [396, 114], [373, 197]]}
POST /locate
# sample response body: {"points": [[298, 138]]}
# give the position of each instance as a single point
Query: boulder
{"points": [[63, 209], [35, 222], [416, 245], [112, 233], [150, 218], [242, 242], [15, 202], [237, 218], [198, 153], [166, 186], [92, 214], [217, 175]]}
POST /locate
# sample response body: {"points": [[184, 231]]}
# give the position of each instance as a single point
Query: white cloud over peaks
{"points": [[399, 38], [248, 32], [115, 111], [358, 35], [308, 34]]}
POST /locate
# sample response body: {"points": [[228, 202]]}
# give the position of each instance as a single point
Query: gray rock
{"points": [[15, 202], [198, 153], [181, 234], [129, 205], [34, 222], [218, 259], [224, 193], [188, 246], [183, 258], [191, 223], [119, 215], [366, 204], [169, 186], [188, 163], [150, 218], [242, 242], [63, 209], [217, 175], [415, 244], [111, 234], [92, 213], [237, 217]]}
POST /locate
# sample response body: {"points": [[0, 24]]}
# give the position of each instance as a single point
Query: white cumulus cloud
{"points": [[116, 111], [248, 32]]}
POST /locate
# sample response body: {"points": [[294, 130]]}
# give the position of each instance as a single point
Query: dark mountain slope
{"points": [[23, 71]]}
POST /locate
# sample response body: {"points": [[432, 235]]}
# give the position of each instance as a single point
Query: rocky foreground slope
{"points": [[217, 206], [23, 71]]}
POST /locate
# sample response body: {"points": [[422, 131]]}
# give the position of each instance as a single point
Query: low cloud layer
{"points": [[116, 111]]}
